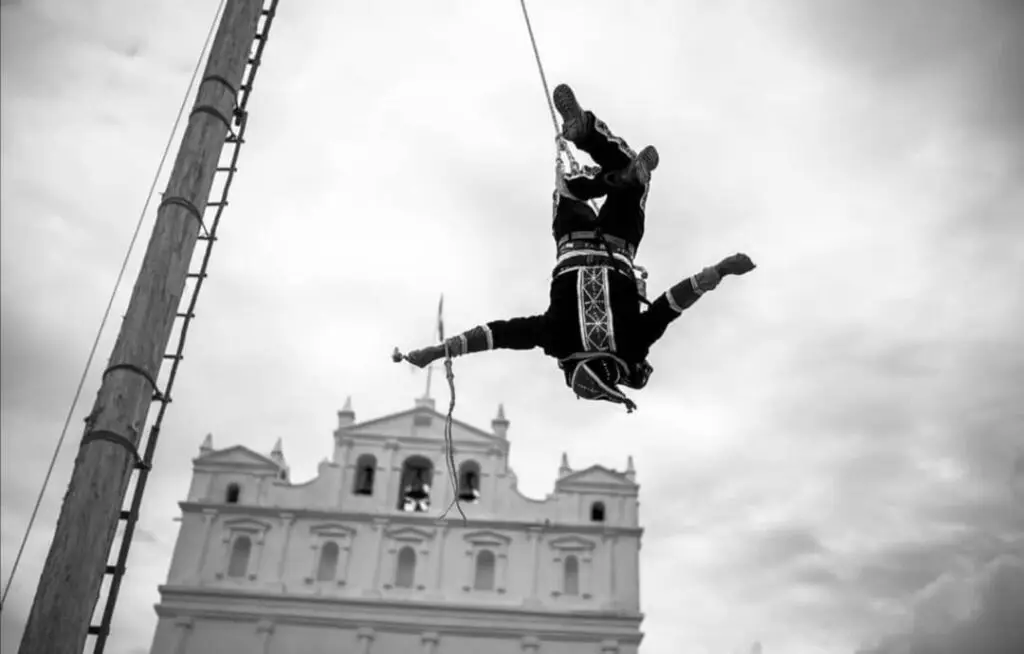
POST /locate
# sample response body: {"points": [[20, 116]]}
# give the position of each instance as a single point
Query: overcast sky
{"points": [[831, 449]]}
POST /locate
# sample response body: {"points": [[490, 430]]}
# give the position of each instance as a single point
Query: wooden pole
{"points": [[70, 582]]}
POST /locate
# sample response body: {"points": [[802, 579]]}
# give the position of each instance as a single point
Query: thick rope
{"points": [[449, 444], [560, 143], [110, 304]]}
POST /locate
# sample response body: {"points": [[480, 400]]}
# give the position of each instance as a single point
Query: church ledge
{"points": [[233, 604], [398, 517]]}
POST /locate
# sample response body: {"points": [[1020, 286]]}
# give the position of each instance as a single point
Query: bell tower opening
{"points": [[469, 481], [414, 492]]}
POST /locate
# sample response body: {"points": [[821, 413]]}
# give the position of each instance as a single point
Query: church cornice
{"points": [[400, 519], [385, 614]]}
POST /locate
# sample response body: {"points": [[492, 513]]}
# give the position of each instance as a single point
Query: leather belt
{"points": [[591, 240], [572, 261]]}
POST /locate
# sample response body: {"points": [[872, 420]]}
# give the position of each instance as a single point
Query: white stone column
{"points": [[391, 483], [536, 535], [611, 543], [421, 574], [586, 575], [288, 524], [430, 640], [610, 647], [439, 544], [344, 466], [364, 639], [314, 549], [469, 571], [492, 479], [379, 525], [209, 517], [501, 572], [183, 630], [264, 632], [530, 644], [344, 557], [256, 558]]}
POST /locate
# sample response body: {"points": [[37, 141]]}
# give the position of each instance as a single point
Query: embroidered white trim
{"points": [[696, 287], [603, 129], [490, 337], [594, 309], [672, 302]]}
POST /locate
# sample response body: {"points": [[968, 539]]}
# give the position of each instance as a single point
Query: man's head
{"points": [[597, 378]]}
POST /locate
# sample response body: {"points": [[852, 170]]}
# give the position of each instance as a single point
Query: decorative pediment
{"points": [[409, 534], [422, 423], [238, 456], [332, 530], [249, 525], [572, 544], [596, 477], [487, 538]]}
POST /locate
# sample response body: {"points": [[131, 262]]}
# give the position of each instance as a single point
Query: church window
{"points": [[366, 469], [571, 579], [232, 494], [238, 564], [405, 574], [597, 512], [414, 493], [469, 481], [328, 567], [484, 577]]}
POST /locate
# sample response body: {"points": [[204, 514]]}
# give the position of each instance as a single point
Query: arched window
{"points": [[597, 512], [366, 469], [414, 493], [484, 577], [571, 582], [328, 566], [469, 481], [238, 564], [405, 574], [233, 493]]}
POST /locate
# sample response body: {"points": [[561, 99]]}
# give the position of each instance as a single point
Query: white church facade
{"points": [[357, 560]]}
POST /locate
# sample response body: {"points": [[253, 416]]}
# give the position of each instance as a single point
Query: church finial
{"points": [[207, 445], [630, 470], [347, 416], [500, 423], [278, 452], [564, 469]]}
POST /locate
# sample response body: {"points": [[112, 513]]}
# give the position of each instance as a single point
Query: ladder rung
{"points": [[187, 316], [95, 630], [227, 169], [221, 203], [175, 357], [198, 275], [124, 515], [112, 569], [234, 139], [208, 238]]}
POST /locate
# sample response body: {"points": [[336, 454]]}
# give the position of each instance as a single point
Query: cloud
{"points": [[978, 611], [822, 443]]}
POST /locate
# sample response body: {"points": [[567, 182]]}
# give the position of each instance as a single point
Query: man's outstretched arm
{"points": [[683, 295], [514, 334]]}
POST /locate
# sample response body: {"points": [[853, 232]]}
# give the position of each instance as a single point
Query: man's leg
{"points": [[669, 305], [589, 133]]}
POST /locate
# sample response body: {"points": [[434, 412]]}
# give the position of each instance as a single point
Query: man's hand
{"points": [[737, 264]]}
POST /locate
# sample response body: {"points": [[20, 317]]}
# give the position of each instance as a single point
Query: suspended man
{"points": [[594, 325]]}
